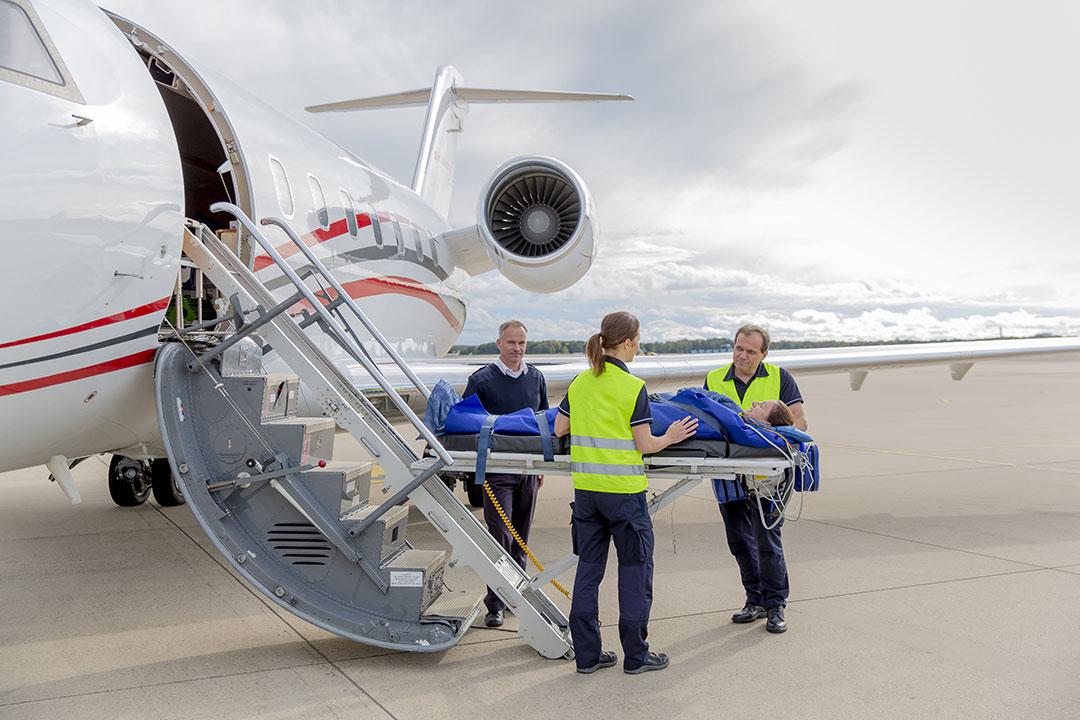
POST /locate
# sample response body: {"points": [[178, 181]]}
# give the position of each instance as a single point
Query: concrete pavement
{"points": [[935, 575]]}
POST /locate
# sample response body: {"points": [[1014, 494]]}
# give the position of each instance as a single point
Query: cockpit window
{"points": [[21, 48], [27, 55]]}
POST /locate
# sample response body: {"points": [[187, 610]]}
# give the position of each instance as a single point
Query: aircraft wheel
{"points": [[167, 490], [475, 492], [129, 481]]}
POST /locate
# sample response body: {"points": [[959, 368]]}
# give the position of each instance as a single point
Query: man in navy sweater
{"points": [[505, 386]]}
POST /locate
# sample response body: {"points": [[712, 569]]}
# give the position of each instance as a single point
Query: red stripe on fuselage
{"points": [[319, 235], [140, 358], [392, 285], [100, 322]]}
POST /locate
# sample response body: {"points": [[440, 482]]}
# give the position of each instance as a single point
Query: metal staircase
{"points": [[261, 482]]}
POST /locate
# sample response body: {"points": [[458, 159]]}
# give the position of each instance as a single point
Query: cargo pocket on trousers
{"points": [[643, 528]]}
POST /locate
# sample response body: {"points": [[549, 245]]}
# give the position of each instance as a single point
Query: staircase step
{"points": [[418, 574], [262, 398], [386, 536], [281, 397], [351, 480], [454, 605], [305, 440]]}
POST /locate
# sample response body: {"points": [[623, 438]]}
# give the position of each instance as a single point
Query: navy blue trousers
{"points": [[599, 518], [517, 496], [758, 552]]}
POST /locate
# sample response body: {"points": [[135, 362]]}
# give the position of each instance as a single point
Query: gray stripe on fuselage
{"points": [[85, 348], [365, 254]]}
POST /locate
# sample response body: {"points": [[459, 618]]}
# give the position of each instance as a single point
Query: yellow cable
{"points": [[517, 538]]}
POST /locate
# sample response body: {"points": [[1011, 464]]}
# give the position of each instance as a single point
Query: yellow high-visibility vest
{"points": [[603, 456], [759, 390]]}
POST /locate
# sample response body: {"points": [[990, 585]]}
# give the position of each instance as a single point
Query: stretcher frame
{"points": [[686, 472]]}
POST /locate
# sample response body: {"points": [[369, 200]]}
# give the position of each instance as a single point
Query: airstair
{"points": [[262, 482]]}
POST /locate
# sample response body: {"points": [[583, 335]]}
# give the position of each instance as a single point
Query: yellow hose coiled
{"points": [[517, 538]]}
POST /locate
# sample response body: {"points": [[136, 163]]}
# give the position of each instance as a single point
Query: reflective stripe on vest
{"points": [[603, 443], [760, 389], [603, 456]]}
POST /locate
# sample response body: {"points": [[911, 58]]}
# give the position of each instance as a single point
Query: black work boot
{"points": [[494, 618], [607, 659], [749, 613], [776, 622]]}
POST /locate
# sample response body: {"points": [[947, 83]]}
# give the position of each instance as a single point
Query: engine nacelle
{"points": [[537, 221]]}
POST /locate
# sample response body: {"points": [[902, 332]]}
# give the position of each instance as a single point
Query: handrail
{"points": [[347, 299], [331, 324]]}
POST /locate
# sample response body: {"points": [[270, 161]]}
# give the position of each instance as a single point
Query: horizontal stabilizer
{"points": [[413, 98]]}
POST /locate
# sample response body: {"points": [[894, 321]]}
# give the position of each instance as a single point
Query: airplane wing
{"points": [[669, 371]]}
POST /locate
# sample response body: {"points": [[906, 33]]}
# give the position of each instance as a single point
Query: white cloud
{"points": [[832, 167]]}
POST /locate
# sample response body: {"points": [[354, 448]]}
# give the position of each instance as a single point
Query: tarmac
{"points": [[935, 575]]}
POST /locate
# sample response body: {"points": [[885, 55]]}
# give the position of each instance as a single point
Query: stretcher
{"points": [[768, 475]]}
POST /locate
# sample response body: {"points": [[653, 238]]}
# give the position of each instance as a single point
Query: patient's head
{"points": [[771, 412]]}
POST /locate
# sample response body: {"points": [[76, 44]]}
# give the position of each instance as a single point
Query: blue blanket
{"points": [[718, 418]]}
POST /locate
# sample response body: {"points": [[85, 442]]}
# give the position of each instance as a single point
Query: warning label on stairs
{"points": [[406, 578]]}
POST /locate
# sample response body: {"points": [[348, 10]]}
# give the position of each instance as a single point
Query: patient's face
{"points": [[760, 410]]}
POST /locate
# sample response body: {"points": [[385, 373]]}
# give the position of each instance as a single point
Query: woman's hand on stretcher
{"points": [[647, 443]]}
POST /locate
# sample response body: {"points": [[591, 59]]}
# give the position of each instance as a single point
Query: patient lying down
{"points": [[770, 412]]}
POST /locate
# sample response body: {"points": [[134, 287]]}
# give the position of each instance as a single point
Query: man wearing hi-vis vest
{"points": [[759, 552], [606, 413]]}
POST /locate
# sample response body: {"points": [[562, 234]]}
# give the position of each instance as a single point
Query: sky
{"points": [[833, 169]]}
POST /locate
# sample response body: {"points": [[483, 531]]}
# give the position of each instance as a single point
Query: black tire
{"points": [[129, 481], [167, 490], [475, 493]]}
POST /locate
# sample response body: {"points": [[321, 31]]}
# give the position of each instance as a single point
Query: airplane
{"points": [[116, 144]]}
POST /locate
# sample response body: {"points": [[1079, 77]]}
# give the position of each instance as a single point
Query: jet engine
{"points": [[537, 220]]}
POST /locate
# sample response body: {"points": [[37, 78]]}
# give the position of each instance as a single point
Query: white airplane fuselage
{"points": [[94, 192]]}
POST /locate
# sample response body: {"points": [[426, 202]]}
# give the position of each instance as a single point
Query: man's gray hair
{"points": [[511, 323], [751, 328]]}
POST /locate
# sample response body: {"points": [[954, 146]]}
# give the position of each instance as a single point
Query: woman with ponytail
{"points": [[606, 413]]}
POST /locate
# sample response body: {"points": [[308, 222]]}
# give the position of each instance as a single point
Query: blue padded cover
{"points": [[468, 416]]}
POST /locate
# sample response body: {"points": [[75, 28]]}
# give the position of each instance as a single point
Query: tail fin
{"points": [[448, 103]]}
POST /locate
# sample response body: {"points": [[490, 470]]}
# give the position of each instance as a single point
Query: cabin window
{"points": [[350, 213], [418, 242], [434, 249], [281, 185], [318, 200], [27, 55], [399, 238], [376, 228]]}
